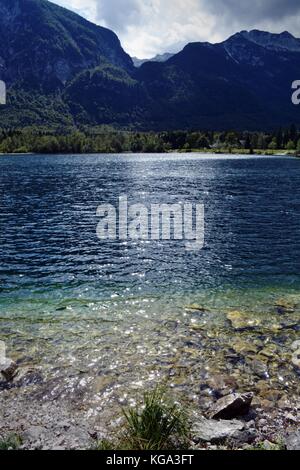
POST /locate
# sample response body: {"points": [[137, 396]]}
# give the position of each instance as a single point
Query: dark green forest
{"points": [[107, 140]]}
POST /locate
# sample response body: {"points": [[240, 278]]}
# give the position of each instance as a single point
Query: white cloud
{"points": [[156, 26], [86, 8], [149, 27]]}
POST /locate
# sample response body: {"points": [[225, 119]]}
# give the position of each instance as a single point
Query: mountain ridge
{"points": [[158, 58], [280, 41], [49, 44], [62, 70]]}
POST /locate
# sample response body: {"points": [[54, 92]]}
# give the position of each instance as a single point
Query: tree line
{"points": [[108, 140]]}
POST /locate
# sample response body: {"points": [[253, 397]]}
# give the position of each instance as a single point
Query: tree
{"points": [[231, 139], [293, 133], [273, 144], [290, 145], [279, 138]]}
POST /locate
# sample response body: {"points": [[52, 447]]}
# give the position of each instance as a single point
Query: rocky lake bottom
{"points": [[200, 356]]}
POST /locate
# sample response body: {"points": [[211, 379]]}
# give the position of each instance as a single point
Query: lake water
{"points": [[106, 319]]}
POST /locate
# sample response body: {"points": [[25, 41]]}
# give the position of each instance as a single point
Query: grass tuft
{"points": [[271, 446], [158, 424], [12, 442], [104, 445]]}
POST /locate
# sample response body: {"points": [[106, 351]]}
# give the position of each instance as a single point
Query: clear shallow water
{"points": [[104, 316]]}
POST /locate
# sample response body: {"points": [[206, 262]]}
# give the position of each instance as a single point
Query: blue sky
{"points": [[149, 27]]}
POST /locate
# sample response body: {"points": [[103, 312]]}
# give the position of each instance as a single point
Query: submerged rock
{"points": [[242, 321], [284, 403], [285, 306], [244, 347], [259, 368], [196, 308], [205, 430], [296, 358], [290, 324], [28, 376], [232, 406], [219, 385], [295, 345], [8, 368]]}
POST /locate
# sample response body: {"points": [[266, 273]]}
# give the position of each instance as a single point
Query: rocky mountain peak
{"points": [[282, 41], [43, 43]]}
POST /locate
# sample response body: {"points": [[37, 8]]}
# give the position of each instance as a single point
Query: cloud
{"points": [[149, 27], [258, 10], [121, 14], [272, 15], [86, 8]]}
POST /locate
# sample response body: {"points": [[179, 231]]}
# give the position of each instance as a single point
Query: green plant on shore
{"points": [[12, 442], [158, 424], [105, 445], [272, 446]]}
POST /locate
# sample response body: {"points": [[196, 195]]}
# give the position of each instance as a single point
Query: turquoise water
{"points": [[103, 317]]}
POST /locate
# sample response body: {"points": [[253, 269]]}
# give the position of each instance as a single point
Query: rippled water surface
{"points": [[107, 316]]}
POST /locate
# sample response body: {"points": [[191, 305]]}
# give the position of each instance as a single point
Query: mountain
{"points": [[107, 95], [158, 58], [243, 82], [62, 70], [42, 48], [276, 42], [43, 44]]}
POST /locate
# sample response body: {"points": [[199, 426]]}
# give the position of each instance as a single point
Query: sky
{"points": [[150, 27]]}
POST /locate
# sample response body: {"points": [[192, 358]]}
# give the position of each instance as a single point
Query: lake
{"points": [[105, 319]]}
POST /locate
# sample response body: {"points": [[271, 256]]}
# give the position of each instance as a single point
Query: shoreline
{"points": [[176, 152], [69, 424]]}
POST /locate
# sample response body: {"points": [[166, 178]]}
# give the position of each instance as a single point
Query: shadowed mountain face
{"points": [[44, 44], [238, 83], [62, 70]]}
